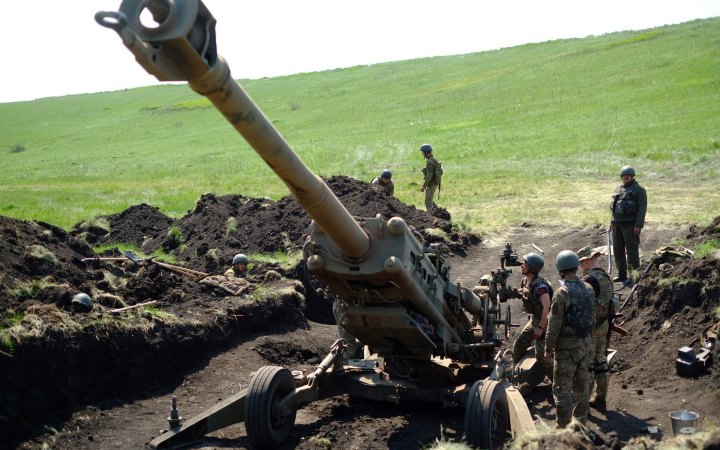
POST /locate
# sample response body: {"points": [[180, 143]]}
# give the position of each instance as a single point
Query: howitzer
{"points": [[397, 291]]}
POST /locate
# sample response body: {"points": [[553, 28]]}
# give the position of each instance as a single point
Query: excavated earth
{"points": [[71, 378]]}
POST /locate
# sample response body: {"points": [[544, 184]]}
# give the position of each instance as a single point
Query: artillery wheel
{"points": [[508, 321], [268, 424], [487, 419]]}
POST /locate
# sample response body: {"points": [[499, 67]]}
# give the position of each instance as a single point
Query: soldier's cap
{"points": [[588, 252]]}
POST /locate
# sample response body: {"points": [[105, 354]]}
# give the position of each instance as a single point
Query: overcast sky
{"points": [[53, 47]]}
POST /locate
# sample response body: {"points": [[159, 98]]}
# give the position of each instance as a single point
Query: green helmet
{"points": [[567, 259], [240, 258], [426, 148], [534, 262], [82, 302], [627, 170]]}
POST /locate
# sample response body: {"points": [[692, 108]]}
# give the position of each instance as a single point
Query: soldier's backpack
{"points": [[602, 305], [580, 315]]}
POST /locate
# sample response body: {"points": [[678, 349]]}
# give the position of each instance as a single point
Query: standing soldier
{"points": [[433, 173], [536, 295], [595, 276], [628, 218], [569, 340], [384, 181]]}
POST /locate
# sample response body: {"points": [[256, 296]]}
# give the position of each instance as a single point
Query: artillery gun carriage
{"points": [[426, 338]]}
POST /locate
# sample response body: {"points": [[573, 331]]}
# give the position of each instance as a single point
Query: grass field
{"points": [[531, 133]]}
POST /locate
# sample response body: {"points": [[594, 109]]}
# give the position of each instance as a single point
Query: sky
{"points": [[55, 48]]}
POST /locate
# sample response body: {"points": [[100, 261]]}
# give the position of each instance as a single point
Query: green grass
{"points": [[29, 289], [286, 260], [536, 132], [706, 247], [158, 314], [11, 320]]}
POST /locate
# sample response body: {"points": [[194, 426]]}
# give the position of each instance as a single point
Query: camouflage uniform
{"points": [[232, 272], [628, 211], [604, 308], [389, 187], [571, 319], [532, 305], [339, 308], [431, 180]]}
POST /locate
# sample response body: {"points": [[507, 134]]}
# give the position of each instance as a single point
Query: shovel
{"points": [[195, 274]]}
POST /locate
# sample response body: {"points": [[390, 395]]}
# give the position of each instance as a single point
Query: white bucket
{"points": [[682, 420]]}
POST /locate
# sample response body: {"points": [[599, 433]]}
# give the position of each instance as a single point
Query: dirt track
{"points": [[125, 397]]}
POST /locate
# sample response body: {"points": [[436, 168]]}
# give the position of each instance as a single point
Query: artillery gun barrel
{"points": [[182, 48]]}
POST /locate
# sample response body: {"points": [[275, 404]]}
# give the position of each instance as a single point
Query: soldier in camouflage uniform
{"points": [[595, 276], [432, 176], [569, 340], [339, 308], [536, 294], [384, 181], [628, 218], [239, 267]]}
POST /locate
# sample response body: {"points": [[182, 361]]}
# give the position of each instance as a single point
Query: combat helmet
{"points": [[82, 302], [534, 262], [426, 148], [627, 170], [240, 258], [567, 259], [387, 174]]}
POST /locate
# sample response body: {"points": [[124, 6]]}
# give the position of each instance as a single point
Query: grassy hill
{"points": [[531, 133]]}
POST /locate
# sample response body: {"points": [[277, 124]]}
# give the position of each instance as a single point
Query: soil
{"points": [[72, 378]]}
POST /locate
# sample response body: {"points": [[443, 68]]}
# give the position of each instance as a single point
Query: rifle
{"points": [[615, 328], [637, 283]]}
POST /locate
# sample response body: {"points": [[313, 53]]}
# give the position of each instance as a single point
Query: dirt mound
{"points": [[712, 231], [673, 305], [34, 251], [221, 226]]}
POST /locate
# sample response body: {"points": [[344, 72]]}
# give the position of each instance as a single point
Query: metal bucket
{"points": [[683, 422]]}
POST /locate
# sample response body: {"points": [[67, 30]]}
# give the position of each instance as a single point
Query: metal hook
{"points": [[111, 19]]}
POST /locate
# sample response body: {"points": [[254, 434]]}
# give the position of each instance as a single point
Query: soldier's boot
{"points": [[598, 403], [564, 416]]}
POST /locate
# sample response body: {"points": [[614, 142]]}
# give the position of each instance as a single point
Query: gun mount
{"points": [[400, 302]]}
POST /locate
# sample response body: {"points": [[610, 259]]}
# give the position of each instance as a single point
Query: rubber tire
{"points": [[487, 419], [264, 426]]}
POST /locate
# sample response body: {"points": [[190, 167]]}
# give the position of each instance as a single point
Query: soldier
{"points": [[536, 295], [239, 267], [628, 218], [595, 276], [569, 340], [339, 308], [432, 173], [384, 181]]}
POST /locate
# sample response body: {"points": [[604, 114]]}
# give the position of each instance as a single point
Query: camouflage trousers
{"points": [[525, 340], [339, 309], [571, 384], [600, 365], [429, 194]]}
